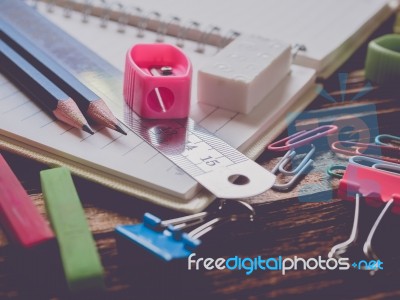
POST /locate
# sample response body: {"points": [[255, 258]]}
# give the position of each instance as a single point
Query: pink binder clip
{"points": [[377, 182], [375, 185], [157, 81]]}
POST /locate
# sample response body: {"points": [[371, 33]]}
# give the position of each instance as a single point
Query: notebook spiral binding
{"points": [[143, 20]]}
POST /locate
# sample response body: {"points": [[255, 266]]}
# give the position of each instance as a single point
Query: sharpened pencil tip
{"points": [[119, 129], [87, 129]]}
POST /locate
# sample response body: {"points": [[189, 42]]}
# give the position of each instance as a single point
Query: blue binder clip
{"points": [[167, 239]]}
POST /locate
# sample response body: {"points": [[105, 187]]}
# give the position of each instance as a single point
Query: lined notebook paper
{"points": [[331, 30], [128, 158]]}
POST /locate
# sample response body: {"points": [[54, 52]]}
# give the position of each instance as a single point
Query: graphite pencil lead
{"points": [[119, 129], [99, 112], [86, 128], [68, 112], [22, 73]]}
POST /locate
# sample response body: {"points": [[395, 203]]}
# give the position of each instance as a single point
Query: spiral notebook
{"points": [[329, 30], [126, 163]]}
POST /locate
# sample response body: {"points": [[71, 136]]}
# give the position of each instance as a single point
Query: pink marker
{"points": [[19, 217], [157, 81]]}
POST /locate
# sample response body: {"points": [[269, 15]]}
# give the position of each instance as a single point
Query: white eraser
{"points": [[243, 73]]}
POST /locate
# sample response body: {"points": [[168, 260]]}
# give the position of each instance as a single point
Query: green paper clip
{"points": [[80, 259], [332, 171]]}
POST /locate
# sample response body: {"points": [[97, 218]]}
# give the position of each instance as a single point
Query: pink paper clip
{"points": [[157, 81], [301, 138]]}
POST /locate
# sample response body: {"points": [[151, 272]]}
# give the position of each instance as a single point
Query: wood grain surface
{"points": [[305, 222]]}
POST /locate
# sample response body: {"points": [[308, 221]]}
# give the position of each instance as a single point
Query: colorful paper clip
{"points": [[302, 138], [364, 161], [394, 141], [332, 171], [166, 239], [383, 152], [294, 141], [297, 172], [377, 182], [374, 163]]}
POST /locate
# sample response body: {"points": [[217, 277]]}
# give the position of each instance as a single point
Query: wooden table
{"points": [[288, 227]]}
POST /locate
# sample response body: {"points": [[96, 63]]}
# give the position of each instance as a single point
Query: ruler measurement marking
{"points": [[186, 165]]}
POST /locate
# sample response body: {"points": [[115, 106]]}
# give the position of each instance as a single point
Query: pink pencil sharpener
{"points": [[157, 81]]}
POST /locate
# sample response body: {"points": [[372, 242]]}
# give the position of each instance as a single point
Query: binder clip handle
{"points": [[228, 211], [203, 222], [168, 239]]}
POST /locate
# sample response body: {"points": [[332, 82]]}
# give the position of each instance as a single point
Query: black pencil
{"points": [[90, 104], [39, 88]]}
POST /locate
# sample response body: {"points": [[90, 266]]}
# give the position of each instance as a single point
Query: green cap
{"points": [[396, 27], [382, 65]]}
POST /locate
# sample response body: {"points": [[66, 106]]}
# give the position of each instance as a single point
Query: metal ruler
{"points": [[217, 166]]}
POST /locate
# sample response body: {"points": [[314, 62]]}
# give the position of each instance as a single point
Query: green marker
{"points": [[80, 259]]}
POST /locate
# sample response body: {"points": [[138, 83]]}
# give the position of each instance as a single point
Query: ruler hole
{"points": [[238, 179]]}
